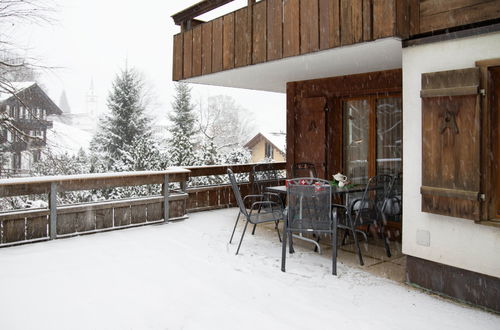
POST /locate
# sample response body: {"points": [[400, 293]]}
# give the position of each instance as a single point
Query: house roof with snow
{"points": [[30, 93], [277, 139]]}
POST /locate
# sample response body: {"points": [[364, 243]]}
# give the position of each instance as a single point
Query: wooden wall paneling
{"points": [[414, 17], [384, 18], [66, 223], [291, 28], [138, 214], [178, 57], [228, 42], [188, 54], [351, 17], [84, 221], [37, 227], [310, 133], [329, 24], [242, 38], [213, 198], [438, 15], [13, 230], [177, 209], [403, 18], [104, 218], [259, 33], [367, 20], [203, 198], [432, 7], [217, 44], [197, 50], [274, 29], [206, 48], [309, 26], [154, 211], [122, 216]]}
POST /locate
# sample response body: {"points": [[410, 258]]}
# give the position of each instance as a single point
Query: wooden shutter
{"points": [[451, 177]]}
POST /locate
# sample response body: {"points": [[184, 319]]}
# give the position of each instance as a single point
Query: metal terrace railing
{"points": [[56, 221]]}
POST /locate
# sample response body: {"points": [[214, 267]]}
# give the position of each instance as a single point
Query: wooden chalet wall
{"points": [[274, 29], [435, 15], [331, 90]]}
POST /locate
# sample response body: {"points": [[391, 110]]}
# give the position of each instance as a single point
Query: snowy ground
{"points": [[184, 275]]}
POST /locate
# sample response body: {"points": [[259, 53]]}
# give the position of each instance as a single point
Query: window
{"points": [[23, 112], [372, 137], [16, 161], [269, 150]]}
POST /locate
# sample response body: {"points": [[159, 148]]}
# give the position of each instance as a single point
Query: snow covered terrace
{"points": [[185, 275]]}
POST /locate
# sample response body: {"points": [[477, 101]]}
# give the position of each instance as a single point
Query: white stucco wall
{"points": [[455, 242]]}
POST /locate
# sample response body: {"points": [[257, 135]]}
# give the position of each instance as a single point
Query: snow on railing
{"points": [[44, 221]]}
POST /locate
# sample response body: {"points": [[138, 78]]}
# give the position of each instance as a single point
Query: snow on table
{"points": [[185, 275]]}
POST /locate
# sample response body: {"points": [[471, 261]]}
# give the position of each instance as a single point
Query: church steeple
{"points": [[92, 100]]}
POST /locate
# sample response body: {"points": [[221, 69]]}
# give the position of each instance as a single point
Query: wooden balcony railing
{"points": [[56, 221], [274, 29]]}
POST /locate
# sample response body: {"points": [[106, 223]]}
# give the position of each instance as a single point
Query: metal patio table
{"points": [[281, 190]]}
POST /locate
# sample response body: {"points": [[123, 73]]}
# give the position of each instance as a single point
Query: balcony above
{"points": [[270, 42]]}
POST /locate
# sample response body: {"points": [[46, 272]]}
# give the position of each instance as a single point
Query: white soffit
{"points": [[382, 54]]}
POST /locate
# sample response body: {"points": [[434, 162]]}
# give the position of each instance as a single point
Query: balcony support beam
{"points": [[186, 17]]}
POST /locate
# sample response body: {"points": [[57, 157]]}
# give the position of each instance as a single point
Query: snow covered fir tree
{"points": [[181, 143], [124, 139]]}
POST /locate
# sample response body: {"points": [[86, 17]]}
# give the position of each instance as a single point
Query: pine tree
{"points": [[181, 142], [126, 124]]}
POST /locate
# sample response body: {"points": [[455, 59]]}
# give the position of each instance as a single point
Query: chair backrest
{"points": [[370, 206], [236, 191], [309, 205], [303, 170], [263, 175]]}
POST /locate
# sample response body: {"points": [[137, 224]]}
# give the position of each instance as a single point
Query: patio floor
{"points": [[185, 275]]}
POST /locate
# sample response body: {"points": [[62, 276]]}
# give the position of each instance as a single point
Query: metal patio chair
{"points": [[261, 210], [309, 211], [304, 170], [369, 210], [262, 176]]}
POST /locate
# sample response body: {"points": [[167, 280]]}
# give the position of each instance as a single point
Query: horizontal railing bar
{"points": [[196, 171], [41, 185]]}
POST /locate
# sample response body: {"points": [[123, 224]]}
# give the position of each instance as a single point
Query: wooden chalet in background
{"points": [[267, 147], [401, 87], [28, 106]]}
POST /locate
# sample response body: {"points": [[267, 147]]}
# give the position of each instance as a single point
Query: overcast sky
{"points": [[95, 38]]}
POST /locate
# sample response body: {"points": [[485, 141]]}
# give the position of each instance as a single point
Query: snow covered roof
{"points": [[35, 96], [277, 139], [14, 88]]}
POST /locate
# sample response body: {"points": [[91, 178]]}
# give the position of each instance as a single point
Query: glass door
{"points": [[372, 137]]}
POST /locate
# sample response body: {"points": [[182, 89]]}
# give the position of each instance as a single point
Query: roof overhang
{"points": [[378, 55]]}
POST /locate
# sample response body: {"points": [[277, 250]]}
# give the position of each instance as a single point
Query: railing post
{"points": [[53, 210], [166, 205]]}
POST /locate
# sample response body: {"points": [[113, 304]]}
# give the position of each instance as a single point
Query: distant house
{"points": [[268, 146], [28, 106]]}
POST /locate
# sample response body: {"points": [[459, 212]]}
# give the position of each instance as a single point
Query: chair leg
{"points": [[386, 243], [334, 250], [234, 229], [241, 239], [346, 233], [253, 231], [283, 250], [278, 230], [290, 242], [356, 242]]}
